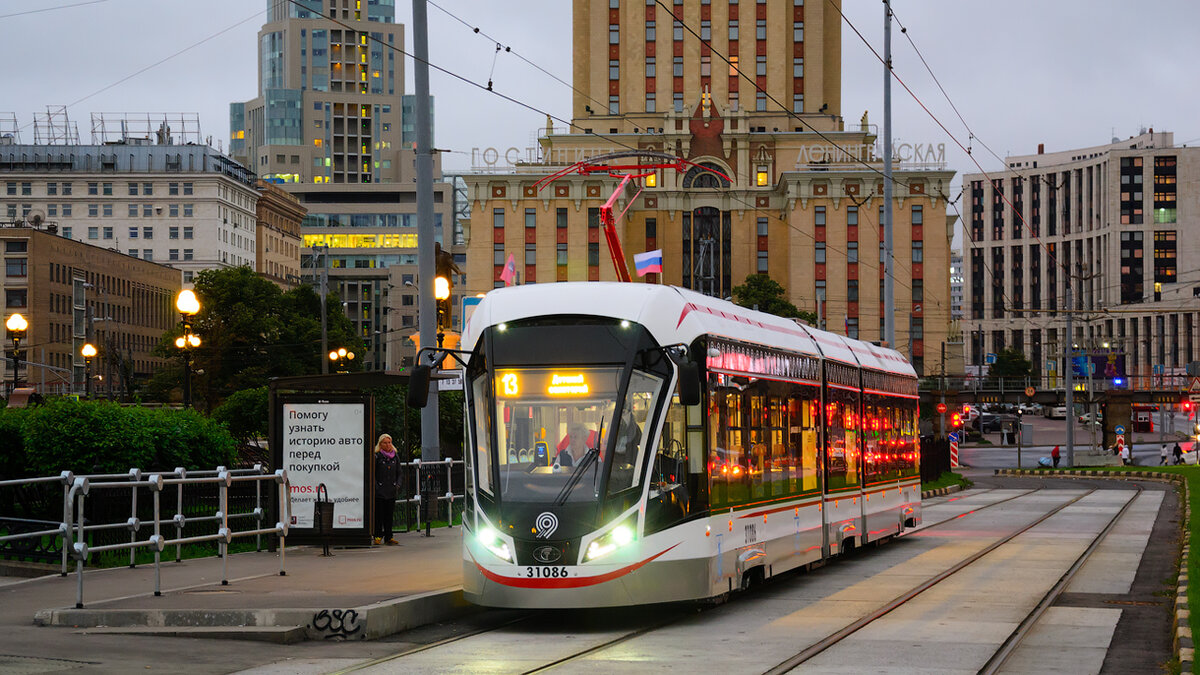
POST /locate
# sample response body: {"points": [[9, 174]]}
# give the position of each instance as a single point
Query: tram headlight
{"points": [[492, 542], [619, 536]]}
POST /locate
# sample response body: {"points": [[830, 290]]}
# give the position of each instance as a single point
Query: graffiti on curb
{"points": [[337, 623]]}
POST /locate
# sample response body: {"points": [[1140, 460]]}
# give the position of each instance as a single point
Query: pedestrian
{"points": [[1178, 453], [1055, 455], [1125, 457], [1162, 453], [387, 479]]}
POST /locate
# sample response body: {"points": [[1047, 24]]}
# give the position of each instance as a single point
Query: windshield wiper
{"points": [[592, 455]]}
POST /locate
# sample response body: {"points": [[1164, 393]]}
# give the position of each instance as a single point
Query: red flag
{"points": [[510, 271]]}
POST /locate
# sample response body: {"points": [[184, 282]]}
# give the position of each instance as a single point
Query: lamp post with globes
{"points": [[341, 356], [16, 325], [88, 351], [188, 306]]}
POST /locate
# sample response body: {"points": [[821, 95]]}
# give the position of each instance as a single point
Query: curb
{"points": [[938, 492], [367, 622], [1182, 640]]}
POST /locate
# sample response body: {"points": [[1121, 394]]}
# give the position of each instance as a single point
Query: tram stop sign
{"points": [[941, 408]]}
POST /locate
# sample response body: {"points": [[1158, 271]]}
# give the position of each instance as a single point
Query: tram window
{"points": [[632, 438], [842, 439], [483, 433], [671, 485]]}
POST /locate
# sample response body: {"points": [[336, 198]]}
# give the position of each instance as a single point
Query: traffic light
{"points": [[441, 293], [956, 421]]}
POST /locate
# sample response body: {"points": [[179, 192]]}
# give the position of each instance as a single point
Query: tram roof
{"points": [[674, 315]]}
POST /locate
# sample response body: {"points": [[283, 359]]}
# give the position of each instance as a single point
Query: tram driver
{"points": [[572, 448]]}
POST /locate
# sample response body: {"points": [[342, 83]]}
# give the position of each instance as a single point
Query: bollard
{"points": [[224, 541], [179, 519], [134, 476]]}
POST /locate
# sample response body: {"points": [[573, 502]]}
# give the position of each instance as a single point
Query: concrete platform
{"points": [[356, 594]]}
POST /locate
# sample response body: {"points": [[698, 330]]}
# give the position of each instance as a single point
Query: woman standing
{"points": [[387, 478]]}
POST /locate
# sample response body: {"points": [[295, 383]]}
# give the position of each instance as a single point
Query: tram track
{"points": [[1010, 645], [1014, 639]]}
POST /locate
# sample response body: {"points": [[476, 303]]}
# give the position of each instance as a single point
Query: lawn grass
{"points": [[947, 479]]}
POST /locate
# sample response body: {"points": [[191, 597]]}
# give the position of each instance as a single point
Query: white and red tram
{"points": [[591, 483]]}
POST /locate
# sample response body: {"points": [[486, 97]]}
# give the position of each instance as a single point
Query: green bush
{"points": [[103, 437], [244, 413]]}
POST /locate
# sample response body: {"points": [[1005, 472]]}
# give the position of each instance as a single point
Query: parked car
{"points": [[999, 423], [1058, 412]]}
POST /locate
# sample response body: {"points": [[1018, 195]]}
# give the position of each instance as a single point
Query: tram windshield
{"points": [[552, 430]]}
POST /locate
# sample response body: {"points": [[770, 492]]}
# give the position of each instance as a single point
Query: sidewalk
{"points": [[361, 593]]}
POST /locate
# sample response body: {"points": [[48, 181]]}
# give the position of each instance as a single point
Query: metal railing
{"points": [[74, 529], [155, 482], [427, 478]]}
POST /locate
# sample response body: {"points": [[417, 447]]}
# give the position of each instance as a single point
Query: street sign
{"points": [[1030, 391], [941, 408], [990, 359], [1119, 430], [1194, 388]]}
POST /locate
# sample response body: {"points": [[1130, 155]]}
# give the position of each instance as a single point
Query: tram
{"points": [[632, 443]]}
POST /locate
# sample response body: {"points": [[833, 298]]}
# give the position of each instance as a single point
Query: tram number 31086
{"points": [[546, 572]]}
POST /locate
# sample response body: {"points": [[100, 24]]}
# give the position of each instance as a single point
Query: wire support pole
{"points": [[430, 442], [889, 286]]}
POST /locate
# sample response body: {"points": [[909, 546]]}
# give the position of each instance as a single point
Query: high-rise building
{"points": [[956, 284], [749, 93], [326, 125], [1103, 228], [279, 216]]}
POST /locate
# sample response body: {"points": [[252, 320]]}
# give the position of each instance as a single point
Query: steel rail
{"points": [[996, 662], [859, 624]]}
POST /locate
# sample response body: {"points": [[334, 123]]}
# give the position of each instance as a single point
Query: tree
{"points": [[765, 294], [251, 331], [1011, 368]]}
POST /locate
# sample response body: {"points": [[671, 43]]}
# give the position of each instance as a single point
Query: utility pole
{"points": [[1070, 379], [889, 263], [324, 248], [427, 312]]}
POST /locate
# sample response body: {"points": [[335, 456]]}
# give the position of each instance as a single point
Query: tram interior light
{"points": [[488, 537], [621, 535]]}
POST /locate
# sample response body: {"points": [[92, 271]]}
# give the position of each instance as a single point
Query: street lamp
{"points": [[88, 351], [188, 306], [16, 325], [341, 356]]}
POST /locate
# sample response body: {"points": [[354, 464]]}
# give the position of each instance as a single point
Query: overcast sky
{"points": [[1065, 73]]}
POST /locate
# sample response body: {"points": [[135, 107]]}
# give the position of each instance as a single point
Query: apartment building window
{"points": [[614, 35], [677, 101], [760, 102], [173, 210], [133, 189], [66, 189], [677, 66], [852, 327], [918, 215], [187, 210], [594, 255], [173, 254], [651, 102], [614, 105], [1132, 267], [918, 251], [798, 67], [1131, 190], [677, 31], [187, 254], [498, 254], [172, 188], [93, 188], [133, 232], [93, 233], [1165, 252], [147, 232], [798, 31], [760, 65], [147, 189], [819, 252], [650, 66], [107, 210], [16, 267], [16, 297], [530, 256], [819, 216], [108, 232], [614, 69], [916, 328], [66, 210], [762, 262], [1164, 190], [918, 290], [760, 29], [733, 30], [651, 33], [560, 256], [106, 189], [187, 232], [705, 30], [187, 188], [852, 216], [133, 211], [797, 103]]}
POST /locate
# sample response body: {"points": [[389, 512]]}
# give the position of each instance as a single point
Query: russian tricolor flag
{"points": [[650, 261]]}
